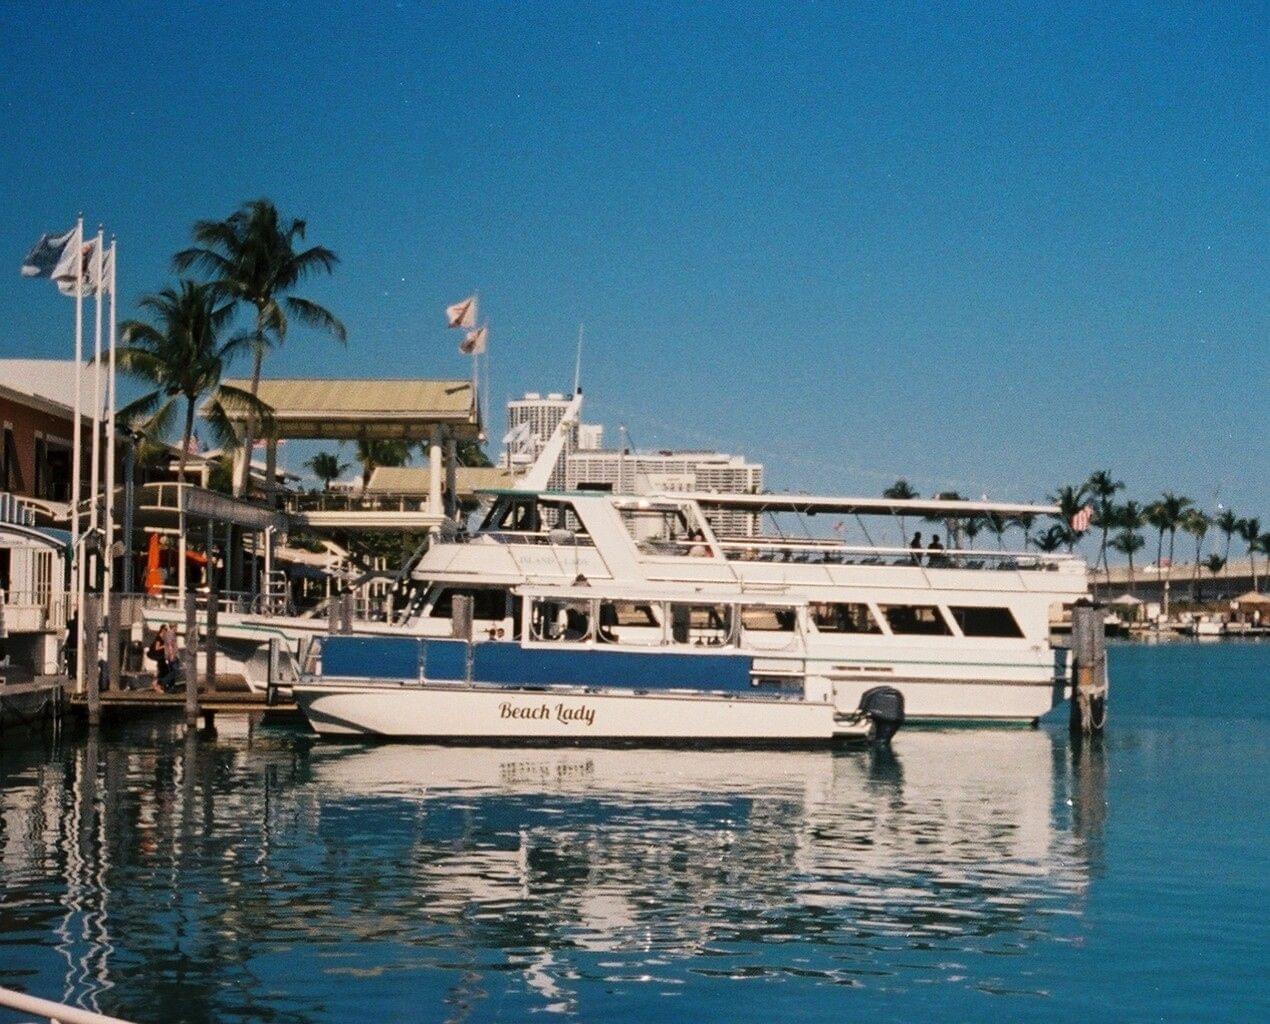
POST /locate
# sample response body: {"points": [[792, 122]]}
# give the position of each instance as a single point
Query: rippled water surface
{"points": [[966, 875]]}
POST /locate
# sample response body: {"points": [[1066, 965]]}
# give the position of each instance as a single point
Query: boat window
{"points": [[843, 618], [916, 620], [488, 605], [759, 618], [986, 621], [629, 622], [702, 625], [516, 516], [561, 620], [665, 530]]}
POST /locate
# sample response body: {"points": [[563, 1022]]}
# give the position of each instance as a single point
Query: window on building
{"points": [[986, 621], [916, 620], [843, 618]]}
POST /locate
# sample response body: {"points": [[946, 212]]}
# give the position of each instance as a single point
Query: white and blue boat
{"points": [[605, 617]]}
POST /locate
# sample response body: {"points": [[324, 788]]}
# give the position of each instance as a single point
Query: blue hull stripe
{"points": [[510, 664]]}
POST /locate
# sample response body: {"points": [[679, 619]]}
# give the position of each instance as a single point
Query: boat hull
{"points": [[480, 714]]}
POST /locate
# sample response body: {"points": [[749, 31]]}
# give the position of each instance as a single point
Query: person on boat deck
{"points": [[935, 551], [915, 546], [698, 548]]}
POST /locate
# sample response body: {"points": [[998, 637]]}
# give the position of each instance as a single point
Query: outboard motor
{"points": [[885, 707]]}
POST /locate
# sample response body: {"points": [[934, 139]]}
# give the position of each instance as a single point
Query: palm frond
{"points": [[208, 261], [317, 317], [240, 402]]}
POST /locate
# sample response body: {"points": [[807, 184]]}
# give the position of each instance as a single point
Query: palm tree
{"points": [[372, 454], [1228, 523], [1024, 523], [1102, 488], [1128, 541], [1053, 539], [1070, 499], [1196, 523], [972, 526], [252, 259], [951, 523], [182, 355], [1172, 508], [1215, 563], [902, 490], [1250, 532], [1261, 546], [1157, 517], [326, 466], [997, 524]]}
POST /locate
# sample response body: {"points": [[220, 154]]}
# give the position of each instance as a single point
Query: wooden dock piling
{"points": [[91, 613], [1089, 670], [114, 641], [191, 661]]}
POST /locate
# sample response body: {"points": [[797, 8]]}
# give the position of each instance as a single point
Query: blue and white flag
{"points": [[48, 255]]}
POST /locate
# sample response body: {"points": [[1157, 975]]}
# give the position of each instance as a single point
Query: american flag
{"points": [[1082, 519]]}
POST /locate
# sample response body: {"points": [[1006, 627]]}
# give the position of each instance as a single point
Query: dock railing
{"points": [[55, 1013]]}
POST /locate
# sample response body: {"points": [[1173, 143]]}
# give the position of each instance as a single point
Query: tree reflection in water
{"points": [[257, 877]]}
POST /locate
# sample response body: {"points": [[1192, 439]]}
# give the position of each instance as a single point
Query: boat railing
{"points": [[55, 1013], [525, 537], [226, 600], [828, 552]]}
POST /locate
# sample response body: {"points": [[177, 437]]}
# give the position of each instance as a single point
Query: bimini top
{"points": [[809, 504]]}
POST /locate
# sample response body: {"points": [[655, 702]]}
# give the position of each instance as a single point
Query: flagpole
{"points": [[110, 430], [94, 474], [76, 444]]}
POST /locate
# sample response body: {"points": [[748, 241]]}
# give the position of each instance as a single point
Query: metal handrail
{"points": [[55, 1013]]}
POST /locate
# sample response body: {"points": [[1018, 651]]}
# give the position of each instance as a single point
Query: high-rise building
{"points": [[666, 471]]}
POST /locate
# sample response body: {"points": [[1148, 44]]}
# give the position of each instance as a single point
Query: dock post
{"points": [[1089, 670], [213, 611], [271, 680], [191, 661], [461, 626], [346, 624], [114, 644], [333, 613], [89, 655]]}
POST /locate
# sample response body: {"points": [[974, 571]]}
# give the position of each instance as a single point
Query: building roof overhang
{"points": [[345, 410]]}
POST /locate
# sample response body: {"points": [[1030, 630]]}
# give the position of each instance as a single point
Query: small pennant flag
{"points": [[473, 343], [1082, 519], [462, 314]]}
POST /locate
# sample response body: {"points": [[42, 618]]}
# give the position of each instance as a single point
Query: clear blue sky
{"points": [[982, 250]]}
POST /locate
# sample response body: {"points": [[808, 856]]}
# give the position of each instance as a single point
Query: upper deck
{"points": [[556, 536]]}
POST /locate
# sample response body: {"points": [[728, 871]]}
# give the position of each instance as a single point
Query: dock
{"points": [[119, 704]]}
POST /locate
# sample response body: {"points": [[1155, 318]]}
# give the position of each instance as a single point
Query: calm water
{"points": [[967, 874]]}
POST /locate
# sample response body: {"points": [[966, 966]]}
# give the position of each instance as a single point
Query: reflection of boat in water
{"points": [[954, 827], [505, 872]]}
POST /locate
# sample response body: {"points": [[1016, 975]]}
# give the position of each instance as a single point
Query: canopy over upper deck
{"points": [[809, 504], [346, 410]]}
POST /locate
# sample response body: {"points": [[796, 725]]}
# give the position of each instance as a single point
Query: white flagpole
{"points": [[77, 569], [110, 428], [94, 474]]}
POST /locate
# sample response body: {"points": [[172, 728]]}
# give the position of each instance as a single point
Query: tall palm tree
{"points": [[952, 524], [997, 524], [1157, 516], [1070, 499], [1250, 532], [1172, 510], [252, 259], [372, 454], [181, 353], [1261, 545], [1197, 524], [1102, 488], [1127, 542], [1024, 523], [326, 466], [1228, 523], [902, 490], [1214, 564]]}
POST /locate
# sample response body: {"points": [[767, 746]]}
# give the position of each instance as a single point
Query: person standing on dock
{"points": [[163, 653]]}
